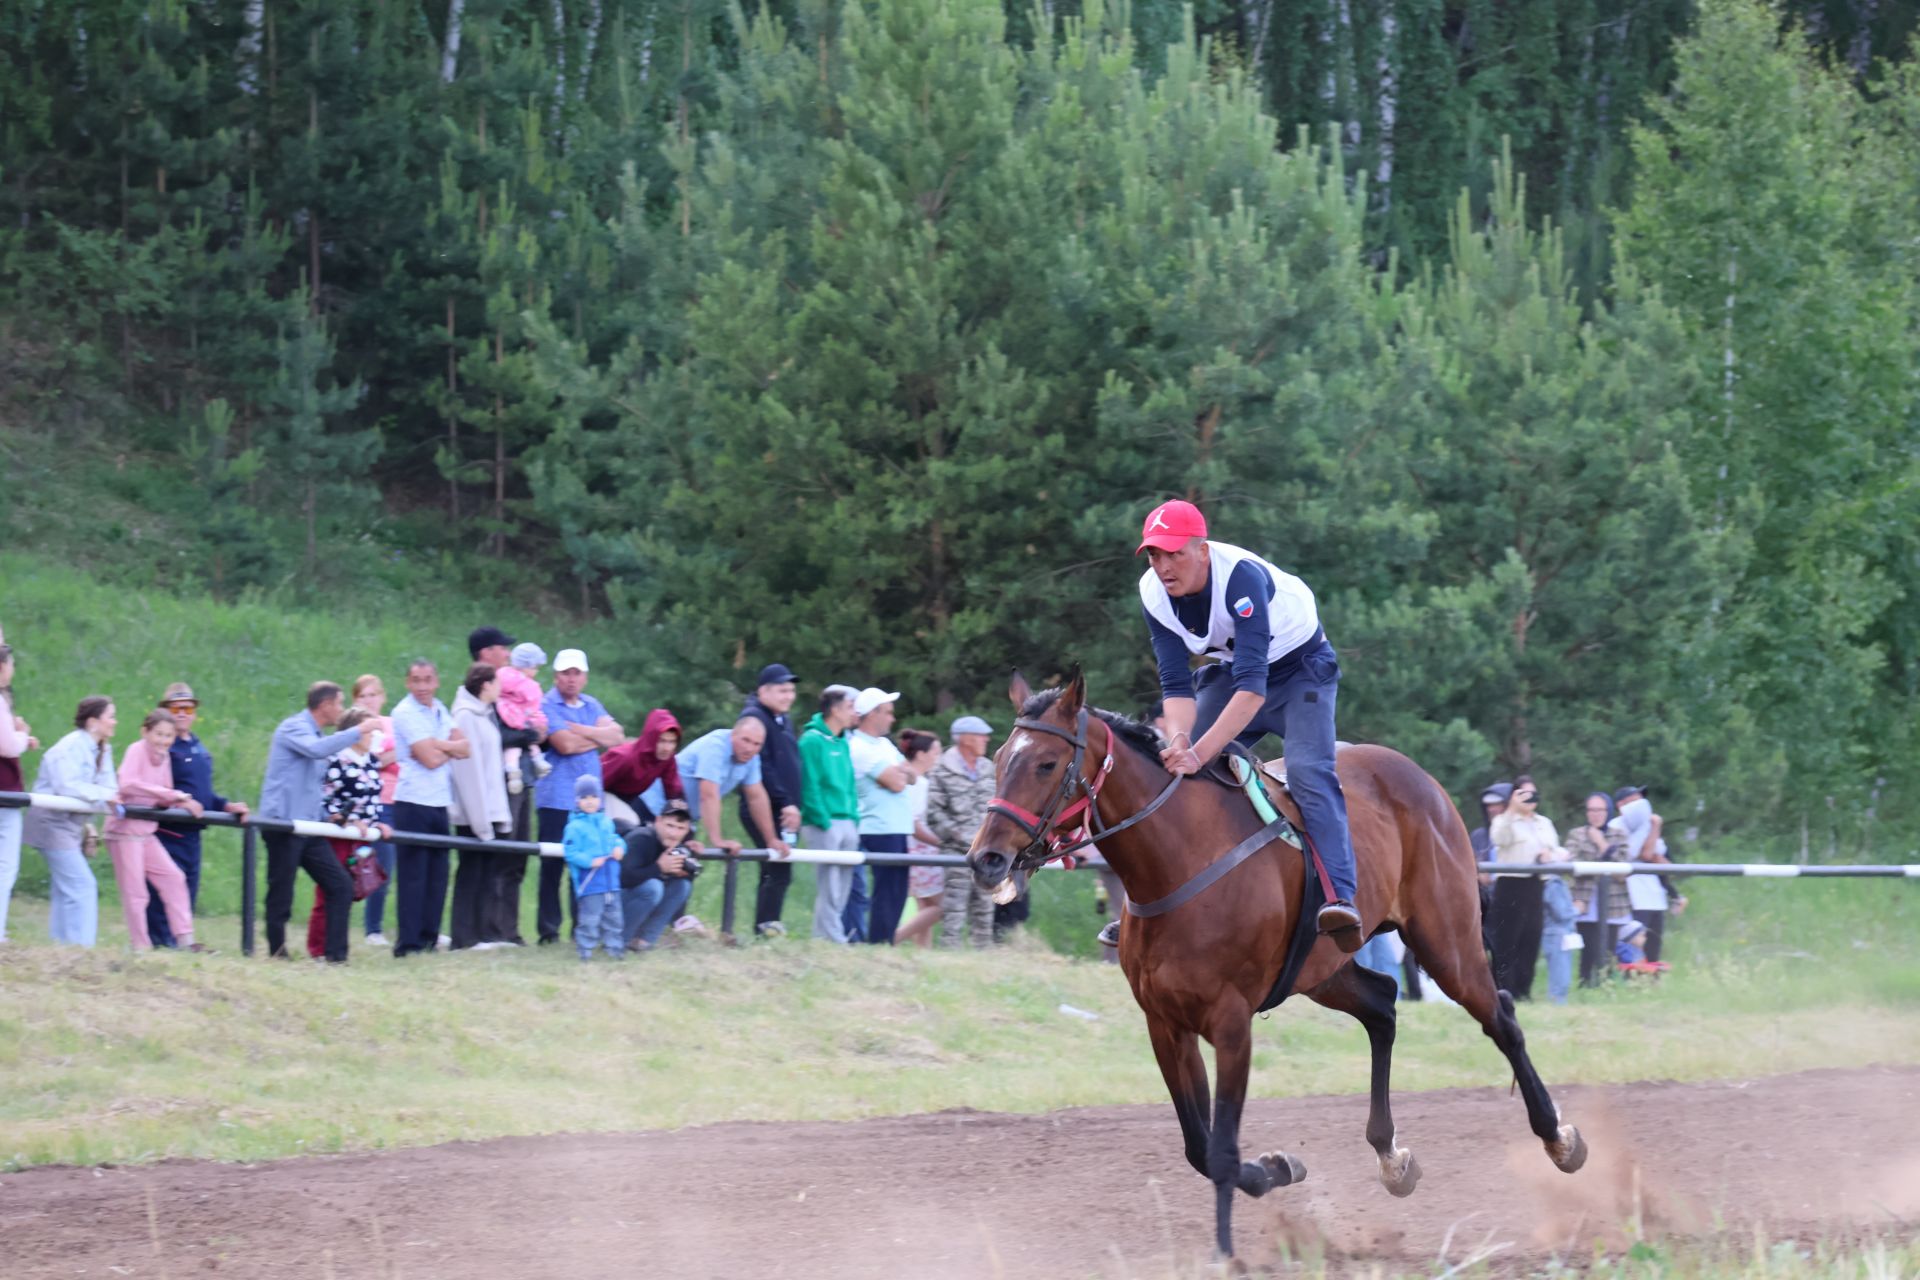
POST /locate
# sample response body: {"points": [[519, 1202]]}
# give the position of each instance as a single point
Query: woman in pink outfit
{"points": [[146, 778]]}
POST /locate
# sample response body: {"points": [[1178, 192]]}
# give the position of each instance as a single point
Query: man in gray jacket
{"points": [[958, 790], [296, 767]]}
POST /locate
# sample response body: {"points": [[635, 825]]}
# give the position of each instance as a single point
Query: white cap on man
{"points": [[570, 660], [870, 699]]}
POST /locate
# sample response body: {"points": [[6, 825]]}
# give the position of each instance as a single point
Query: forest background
{"points": [[1567, 347]]}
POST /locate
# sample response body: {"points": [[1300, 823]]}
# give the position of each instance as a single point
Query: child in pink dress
{"points": [[519, 708], [146, 778]]}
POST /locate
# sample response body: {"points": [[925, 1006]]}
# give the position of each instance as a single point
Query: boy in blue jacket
{"points": [[594, 851]]}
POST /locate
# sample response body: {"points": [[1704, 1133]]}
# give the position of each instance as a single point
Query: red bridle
{"points": [[1050, 831]]}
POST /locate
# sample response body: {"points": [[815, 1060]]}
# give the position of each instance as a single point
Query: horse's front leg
{"points": [[1232, 1040], [1185, 1071]]}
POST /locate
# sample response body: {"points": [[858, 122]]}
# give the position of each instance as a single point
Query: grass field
{"points": [[116, 1057]]}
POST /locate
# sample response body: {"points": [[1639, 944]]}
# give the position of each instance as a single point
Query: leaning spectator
{"points": [[296, 772], [886, 813], [80, 767], [958, 790], [829, 807], [655, 877], [594, 854], [642, 771], [519, 708], [351, 797], [1596, 899], [1648, 895], [146, 779], [580, 730], [486, 900], [428, 742], [16, 739], [925, 884], [1521, 835], [192, 766], [769, 703], [718, 764]]}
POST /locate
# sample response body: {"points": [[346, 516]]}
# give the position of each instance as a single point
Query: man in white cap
{"points": [[958, 789], [880, 777], [579, 730], [1271, 671]]}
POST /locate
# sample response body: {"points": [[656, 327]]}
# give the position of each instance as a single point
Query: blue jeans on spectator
{"points": [[1559, 963], [384, 854], [889, 889], [184, 849], [853, 918], [650, 906], [419, 880], [1377, 954], [74, 896], [599, 921]]}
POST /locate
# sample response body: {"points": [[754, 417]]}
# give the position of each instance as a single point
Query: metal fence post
{"points": [[728, 897], [248, 885]]}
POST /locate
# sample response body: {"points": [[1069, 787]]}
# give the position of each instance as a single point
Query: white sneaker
{"points": [[378, 940], [515, 785], [443, 943], [541, 768]]}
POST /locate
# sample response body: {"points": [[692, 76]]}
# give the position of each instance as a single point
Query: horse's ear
{"points": [[1074, 696], [1018, 691]]}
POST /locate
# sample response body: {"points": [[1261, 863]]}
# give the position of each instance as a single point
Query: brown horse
{"points": [[1202, 969]]}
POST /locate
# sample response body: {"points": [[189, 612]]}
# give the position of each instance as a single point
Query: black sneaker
{"points": [[1110, 934]]}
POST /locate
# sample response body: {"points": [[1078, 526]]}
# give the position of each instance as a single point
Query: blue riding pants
{"points": [[1301, 689]]}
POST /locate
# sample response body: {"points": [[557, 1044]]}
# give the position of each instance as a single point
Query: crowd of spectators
{"points": [[1602, 918], [509, 759]]}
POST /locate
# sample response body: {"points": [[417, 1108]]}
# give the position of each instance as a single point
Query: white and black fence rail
{"points": [[250, 830]]}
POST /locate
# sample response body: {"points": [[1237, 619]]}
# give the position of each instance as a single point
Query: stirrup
{"points": [[1110, 934]]}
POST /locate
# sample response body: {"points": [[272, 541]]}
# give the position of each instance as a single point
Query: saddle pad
{"points": [[1249, 772]]}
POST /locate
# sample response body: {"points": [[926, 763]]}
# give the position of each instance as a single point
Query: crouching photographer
{"points": [[656, 876]]}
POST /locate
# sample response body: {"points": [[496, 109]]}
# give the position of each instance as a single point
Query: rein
{"points": [[1049, 835]]}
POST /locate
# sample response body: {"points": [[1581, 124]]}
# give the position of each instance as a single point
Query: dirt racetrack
{"points": [[1090, 1192]]}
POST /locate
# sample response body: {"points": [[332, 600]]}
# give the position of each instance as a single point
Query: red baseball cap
{"points": [[1171, 526]]}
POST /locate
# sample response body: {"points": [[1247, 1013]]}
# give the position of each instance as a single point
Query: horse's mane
{"points": [[1141, 737]]}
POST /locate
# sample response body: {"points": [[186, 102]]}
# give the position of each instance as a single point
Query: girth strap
{"points": [[1212, 872]]}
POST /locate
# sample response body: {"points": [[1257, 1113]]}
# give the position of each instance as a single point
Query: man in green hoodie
{"points": [[829, 805]]}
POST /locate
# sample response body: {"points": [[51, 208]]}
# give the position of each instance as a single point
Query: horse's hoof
{"points": [[1285, 1169], [1569, 1152], [1400, 1172]]}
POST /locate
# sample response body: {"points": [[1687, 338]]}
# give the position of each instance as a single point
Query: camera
{"points": [[689, 864]]}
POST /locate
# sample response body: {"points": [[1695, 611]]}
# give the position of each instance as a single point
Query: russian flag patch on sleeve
{"points": [[1243, 607]]}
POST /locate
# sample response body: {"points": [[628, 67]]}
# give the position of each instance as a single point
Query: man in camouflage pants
{"points": [[958, 789]]}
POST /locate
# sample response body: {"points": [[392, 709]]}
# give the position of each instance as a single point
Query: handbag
{"points": [[368, 876]]}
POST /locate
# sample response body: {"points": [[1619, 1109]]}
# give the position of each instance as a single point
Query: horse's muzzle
{"points": [[990, 867]]}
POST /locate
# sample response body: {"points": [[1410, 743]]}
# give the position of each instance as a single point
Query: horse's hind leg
{"points": [[1458, 964], [1369, 996]]}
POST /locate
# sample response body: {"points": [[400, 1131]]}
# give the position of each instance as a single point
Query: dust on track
{"points": [[1100, 1191]]}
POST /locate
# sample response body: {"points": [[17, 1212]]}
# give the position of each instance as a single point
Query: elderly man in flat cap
{"points": [[193, 774]]}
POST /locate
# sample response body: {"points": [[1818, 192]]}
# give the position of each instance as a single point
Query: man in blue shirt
{"points": [[296, 767], [193, 774], [1272, 672], [579, 729], [714, 766]]}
